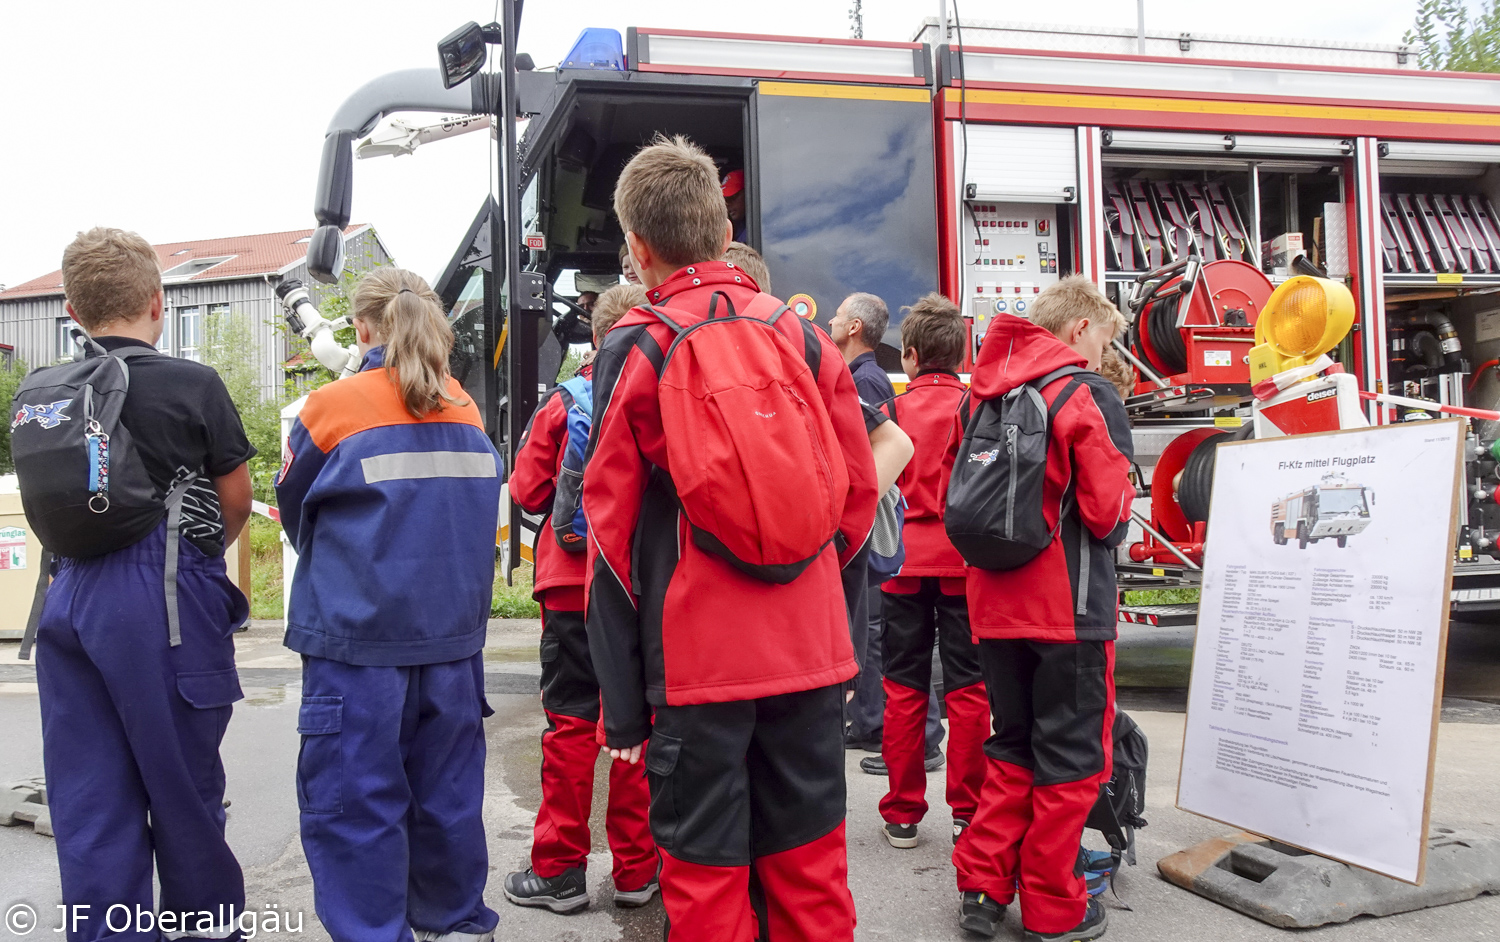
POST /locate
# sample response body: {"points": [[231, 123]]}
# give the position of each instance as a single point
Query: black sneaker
{"points": [[979, 914], [903, 836], [565, 893], [630, 899], [1094, 920], [959, 827], [875, 765]]}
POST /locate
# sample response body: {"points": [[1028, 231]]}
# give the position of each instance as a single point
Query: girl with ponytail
{"points": [[390, 493]]}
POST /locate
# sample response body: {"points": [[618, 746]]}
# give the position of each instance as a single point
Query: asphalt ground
{"points": [[903, 895]]}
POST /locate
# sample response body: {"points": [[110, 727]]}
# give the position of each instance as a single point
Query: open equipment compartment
{"points": [[1439, 253]]}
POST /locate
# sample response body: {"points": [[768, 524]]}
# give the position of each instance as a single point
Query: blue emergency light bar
{"points": [[597, 48]]}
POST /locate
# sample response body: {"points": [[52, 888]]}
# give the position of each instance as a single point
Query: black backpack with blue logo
{"points": [[84, 488], [568, 524], [993, 512]]}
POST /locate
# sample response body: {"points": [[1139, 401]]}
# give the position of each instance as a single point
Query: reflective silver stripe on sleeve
{"points": [[404, 465]]}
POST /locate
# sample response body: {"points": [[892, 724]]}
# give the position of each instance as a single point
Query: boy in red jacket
{"points": [[1046, 630], [556, 879], [926, 601], [746, 760]]}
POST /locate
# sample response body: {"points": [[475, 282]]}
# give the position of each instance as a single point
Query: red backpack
{"points": [[758, 469]]}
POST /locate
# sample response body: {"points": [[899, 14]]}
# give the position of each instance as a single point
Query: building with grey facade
{"points": [[202, 279]]}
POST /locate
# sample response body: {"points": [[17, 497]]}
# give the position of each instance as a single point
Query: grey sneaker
{"points": [[631, 899], [903, 836], [565, 893]]}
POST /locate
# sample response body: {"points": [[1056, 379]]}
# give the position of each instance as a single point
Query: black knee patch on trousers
{"points": [[568, 683], [913, 623], [734, 781], [1048, 703]]}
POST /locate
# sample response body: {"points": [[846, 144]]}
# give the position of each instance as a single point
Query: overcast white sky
{"points": [[188, 121]]}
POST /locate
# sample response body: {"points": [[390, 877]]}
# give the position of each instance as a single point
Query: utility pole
{"points": [[857, 20]]}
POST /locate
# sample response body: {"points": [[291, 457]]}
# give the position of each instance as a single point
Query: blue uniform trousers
{"points": [[390, 783], [130, 739]]}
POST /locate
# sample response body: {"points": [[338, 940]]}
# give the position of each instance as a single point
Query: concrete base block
{"points": [[1294, 889], [26, 803]]}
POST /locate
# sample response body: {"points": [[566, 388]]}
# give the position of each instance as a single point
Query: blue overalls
{"points": [[393, 519], [130, 737]]}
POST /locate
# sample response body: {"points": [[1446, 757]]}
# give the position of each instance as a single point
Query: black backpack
{"points": [[993, 513], [84, 488], [1117, 813]]}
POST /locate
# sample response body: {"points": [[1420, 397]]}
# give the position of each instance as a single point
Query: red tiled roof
{"points": [[252, 255]]}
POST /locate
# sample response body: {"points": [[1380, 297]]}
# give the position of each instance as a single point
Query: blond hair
{"points": [[613, 305], [749, 261], [1113, 367], [1071, 299], [934, 328], [402, 311], [669, 196], [109, 275]]}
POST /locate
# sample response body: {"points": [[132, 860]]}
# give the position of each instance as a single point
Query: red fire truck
{"points": [[987, 173]]}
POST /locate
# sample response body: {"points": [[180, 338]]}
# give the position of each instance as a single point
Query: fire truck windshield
{"points": [[1342, 500]]}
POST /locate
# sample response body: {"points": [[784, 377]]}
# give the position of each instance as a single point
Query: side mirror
{"points": [[325, 254], [335, 193], [461, 54]]}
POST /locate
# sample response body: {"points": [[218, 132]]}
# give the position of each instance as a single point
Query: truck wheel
{"points": [[1280, 536], [1343, 541], [1301, 536]]}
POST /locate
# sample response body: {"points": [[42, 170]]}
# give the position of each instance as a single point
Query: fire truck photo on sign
{"points": [[1332, 509]]}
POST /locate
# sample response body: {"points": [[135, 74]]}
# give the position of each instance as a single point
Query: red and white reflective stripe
{"points": [[265, 510], [1485, 414]]}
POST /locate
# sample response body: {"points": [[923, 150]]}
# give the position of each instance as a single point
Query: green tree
{"points": [[10, 381], [229, 347], [1452, 35]]}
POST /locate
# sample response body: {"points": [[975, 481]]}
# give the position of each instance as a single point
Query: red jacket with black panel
{"points": [[925, 413], [671, 624], [533, 485], [1067, 593]]}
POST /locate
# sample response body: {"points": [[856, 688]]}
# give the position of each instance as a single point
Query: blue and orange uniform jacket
{"points": [[393, 519]]}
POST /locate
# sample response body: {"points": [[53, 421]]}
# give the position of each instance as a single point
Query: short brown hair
{"points": [[1070, 299], [669, 196], [613, 305], [109, 275], [935, 329], [750, 262]]}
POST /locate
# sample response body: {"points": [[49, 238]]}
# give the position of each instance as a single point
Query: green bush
{"points": [[10, 381]]}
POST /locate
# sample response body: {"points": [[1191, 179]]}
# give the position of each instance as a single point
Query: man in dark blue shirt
{"points": [[856, 328]]}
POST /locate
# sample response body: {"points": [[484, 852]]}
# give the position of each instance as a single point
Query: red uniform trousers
{"points": [[747, 806], [1053, 706], [570, 748], [913, 621]]}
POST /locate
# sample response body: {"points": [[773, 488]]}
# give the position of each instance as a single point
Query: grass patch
{"points": [[265, 568], [1163, 597], [508, 601], [514, 601]]}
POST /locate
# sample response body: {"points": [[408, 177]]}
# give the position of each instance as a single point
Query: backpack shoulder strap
{"points": [[1067, 392], [765, 307]]}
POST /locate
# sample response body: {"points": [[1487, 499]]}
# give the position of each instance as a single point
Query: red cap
{"points": [[734, 182]]}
